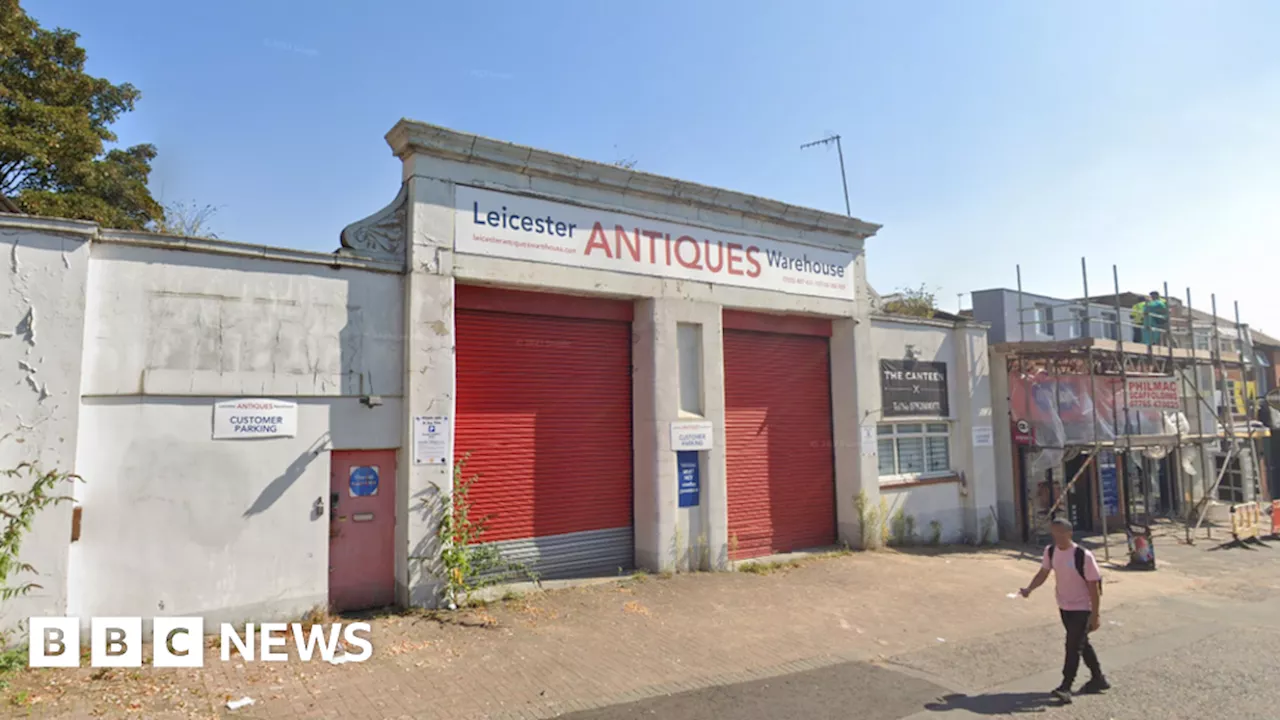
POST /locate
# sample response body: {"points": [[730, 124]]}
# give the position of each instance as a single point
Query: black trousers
{"points": [[1077, 624]]}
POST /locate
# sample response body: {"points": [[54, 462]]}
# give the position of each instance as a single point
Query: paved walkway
{"points": [[554, 653]]}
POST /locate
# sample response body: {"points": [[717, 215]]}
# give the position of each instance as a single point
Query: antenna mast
{"points": [[827, 141]]}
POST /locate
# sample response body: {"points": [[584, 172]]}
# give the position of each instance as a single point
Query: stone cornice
{"points": [[410, 137], [61, 226]]}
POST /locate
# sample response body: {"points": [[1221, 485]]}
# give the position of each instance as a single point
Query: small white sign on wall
{"points": [[431, 440], [983, 436], [868, 444], [692, 435], [254, 418]]}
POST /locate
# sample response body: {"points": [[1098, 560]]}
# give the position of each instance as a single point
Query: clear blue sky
{"points": [[980, 133]]}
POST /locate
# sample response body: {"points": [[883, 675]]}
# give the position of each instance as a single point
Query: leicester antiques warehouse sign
{"points": [[909, 388]]}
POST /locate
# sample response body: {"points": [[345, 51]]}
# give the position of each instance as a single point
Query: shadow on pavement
{"points": [[1252, 544], [994, 703]]}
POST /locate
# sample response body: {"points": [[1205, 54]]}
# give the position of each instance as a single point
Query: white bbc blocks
{"points": [[55, 642], [179, 642], [116, 642]]}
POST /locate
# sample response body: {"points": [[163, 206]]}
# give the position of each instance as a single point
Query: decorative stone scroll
{"points": [[380, 236]]}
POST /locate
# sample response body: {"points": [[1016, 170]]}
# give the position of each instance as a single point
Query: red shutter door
{"points": [[779, 456], [544, 412]]}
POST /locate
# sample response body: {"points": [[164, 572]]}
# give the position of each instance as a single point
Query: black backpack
{"points": [[1079, 564]]}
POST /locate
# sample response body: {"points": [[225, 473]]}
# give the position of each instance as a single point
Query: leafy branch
{"points": [[466, 564], [916, 302], [18, 509]]}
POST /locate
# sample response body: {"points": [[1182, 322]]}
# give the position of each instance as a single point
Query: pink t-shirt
{"points": [[1072, 590]]}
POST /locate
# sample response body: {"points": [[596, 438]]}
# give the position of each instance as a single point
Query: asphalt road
{"points": [[1202, 655]]}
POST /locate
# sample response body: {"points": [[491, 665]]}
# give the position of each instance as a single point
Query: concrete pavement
{"points": [[1207, 652], [926, 633]]}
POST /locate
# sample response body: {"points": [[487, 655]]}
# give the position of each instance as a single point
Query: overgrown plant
{"points": [[18, 509], [186, 220], [466, 564], [903, 530], [916, 302], [870, 520], [935, 533], [988, 524]]}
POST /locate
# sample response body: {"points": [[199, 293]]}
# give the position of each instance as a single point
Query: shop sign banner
{"points": [[910, 388], [254, 418], [1153, 394], [524, 228]]}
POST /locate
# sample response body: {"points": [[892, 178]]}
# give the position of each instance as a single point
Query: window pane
{"points": [[910, 429], [937, 427], [910, 455], [939, 459], [884, 448], [884, 429]]}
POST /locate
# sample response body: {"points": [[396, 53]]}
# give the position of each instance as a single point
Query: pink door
{"points": [[362, 528]]}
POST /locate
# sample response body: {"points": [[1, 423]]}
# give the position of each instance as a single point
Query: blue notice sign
{"points": [[363, 481], [1110, 487], [690, 483]]}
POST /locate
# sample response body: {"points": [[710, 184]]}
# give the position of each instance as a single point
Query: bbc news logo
{"points": [[178, 642]]}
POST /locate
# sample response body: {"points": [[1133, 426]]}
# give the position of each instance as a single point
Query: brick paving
{"points": [[546, 654]]}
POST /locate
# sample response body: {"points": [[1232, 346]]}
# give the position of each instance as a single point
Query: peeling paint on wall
{"points": [[27, 327]]}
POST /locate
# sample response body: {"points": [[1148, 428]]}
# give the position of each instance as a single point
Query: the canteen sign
{"points": [[254, 418]]}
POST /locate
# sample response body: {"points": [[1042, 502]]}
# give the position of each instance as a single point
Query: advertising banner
{"points": [[525, 228], [1154, 394]]}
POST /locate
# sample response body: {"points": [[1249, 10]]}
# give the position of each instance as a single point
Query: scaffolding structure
{"points": [[1104, 353]]}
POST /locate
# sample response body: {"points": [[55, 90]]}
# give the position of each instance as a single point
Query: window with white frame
{"points": [[912, 449], [1079, 326], [1044, 319]]}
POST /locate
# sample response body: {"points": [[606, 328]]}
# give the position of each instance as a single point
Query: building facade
{"points": [[638, 372], [1159, 460]]}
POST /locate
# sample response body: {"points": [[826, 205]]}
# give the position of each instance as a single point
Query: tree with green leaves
{"points": [[54, 127]]}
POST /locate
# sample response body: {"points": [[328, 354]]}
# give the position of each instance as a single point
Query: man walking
{"points": [[1079, 590]]}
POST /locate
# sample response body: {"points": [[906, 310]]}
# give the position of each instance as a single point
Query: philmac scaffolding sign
{"points": [[254, 418], [1153, 394], [523, 228]]}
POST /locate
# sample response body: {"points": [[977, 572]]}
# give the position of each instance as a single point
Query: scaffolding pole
{"points": [[1249, 403], [1220, 381], [1175, 481], [1093, 404], [1024, 464], [1204, 457]]}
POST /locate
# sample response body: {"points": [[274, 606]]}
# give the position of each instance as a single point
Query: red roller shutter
{"points": [[778, 450], [544, 410]]}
